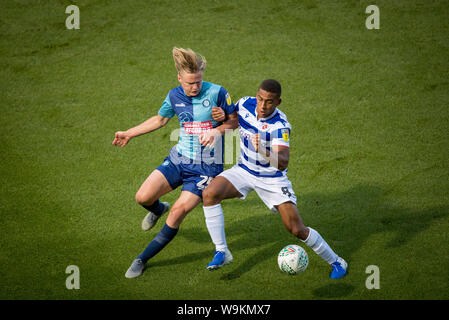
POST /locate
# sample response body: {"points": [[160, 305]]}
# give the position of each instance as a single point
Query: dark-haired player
{"points": [[262, 166]]}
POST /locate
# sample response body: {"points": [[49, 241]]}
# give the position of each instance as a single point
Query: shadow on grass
{"points": [[190, 257], [345, 220]]}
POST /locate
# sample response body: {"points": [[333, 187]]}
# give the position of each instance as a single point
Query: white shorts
{"points": [[272, 191]]}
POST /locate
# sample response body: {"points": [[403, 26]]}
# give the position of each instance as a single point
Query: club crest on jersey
{"points": [[285, 134], [264, 127], [206, 103], [228, 99]]}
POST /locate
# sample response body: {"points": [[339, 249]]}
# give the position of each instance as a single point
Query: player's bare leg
{"points": [[219, 189], [186, 202], [154, 187], [293, 223], [292, 220]]}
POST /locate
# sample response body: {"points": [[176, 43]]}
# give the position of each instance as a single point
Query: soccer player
{"points": [[193, 162], [262, 166]]}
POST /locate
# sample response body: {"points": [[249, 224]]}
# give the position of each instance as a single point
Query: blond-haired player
{"points": [[193, 161]]}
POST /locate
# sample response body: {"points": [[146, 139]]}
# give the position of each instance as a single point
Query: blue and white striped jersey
{"points": [[274, 131]]}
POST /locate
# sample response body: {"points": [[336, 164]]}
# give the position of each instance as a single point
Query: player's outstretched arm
{"points": [[122, 138]]}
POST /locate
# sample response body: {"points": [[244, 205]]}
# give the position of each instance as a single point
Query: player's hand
{"points": [[218, 114], [121, 139], [255, 140], [207, 139]]}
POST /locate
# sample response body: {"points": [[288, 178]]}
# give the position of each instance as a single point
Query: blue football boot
{"points": [[220, 259], [339, 268]]}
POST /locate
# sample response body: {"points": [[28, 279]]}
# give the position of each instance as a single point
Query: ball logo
{"points": [[289, 250]]}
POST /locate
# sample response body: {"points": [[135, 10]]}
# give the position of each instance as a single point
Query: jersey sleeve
{"points": [[224, 101], [166, 109], [281, 137], [237, 104]]}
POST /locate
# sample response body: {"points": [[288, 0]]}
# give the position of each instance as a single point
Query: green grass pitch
{"points": [[369, 146]]}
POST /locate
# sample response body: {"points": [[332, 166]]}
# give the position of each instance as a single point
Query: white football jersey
{"points": [[274, 131]]}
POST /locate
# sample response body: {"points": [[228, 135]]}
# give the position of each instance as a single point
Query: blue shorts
{"points": [[193, 177]]}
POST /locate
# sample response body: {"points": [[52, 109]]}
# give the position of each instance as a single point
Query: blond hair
{"points": [[186, 60]]}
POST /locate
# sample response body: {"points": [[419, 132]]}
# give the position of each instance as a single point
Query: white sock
{"points": [[215, 226], [321, 248]]}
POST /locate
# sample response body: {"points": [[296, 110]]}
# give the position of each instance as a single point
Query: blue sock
{"points": [[157, 207], [159, 242]]}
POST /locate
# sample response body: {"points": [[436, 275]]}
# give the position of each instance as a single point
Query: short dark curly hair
{"points": [[271, 85]]}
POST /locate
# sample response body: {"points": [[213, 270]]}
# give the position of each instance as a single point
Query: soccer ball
{"points": [[293, 259]]}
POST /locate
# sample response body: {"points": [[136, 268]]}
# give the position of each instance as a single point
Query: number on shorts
{"points": [[286, 191], [204, 182]]}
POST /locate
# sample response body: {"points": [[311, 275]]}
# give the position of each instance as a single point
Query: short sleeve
{"points": [[166, 109], [224, 101], [281, 137]]}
